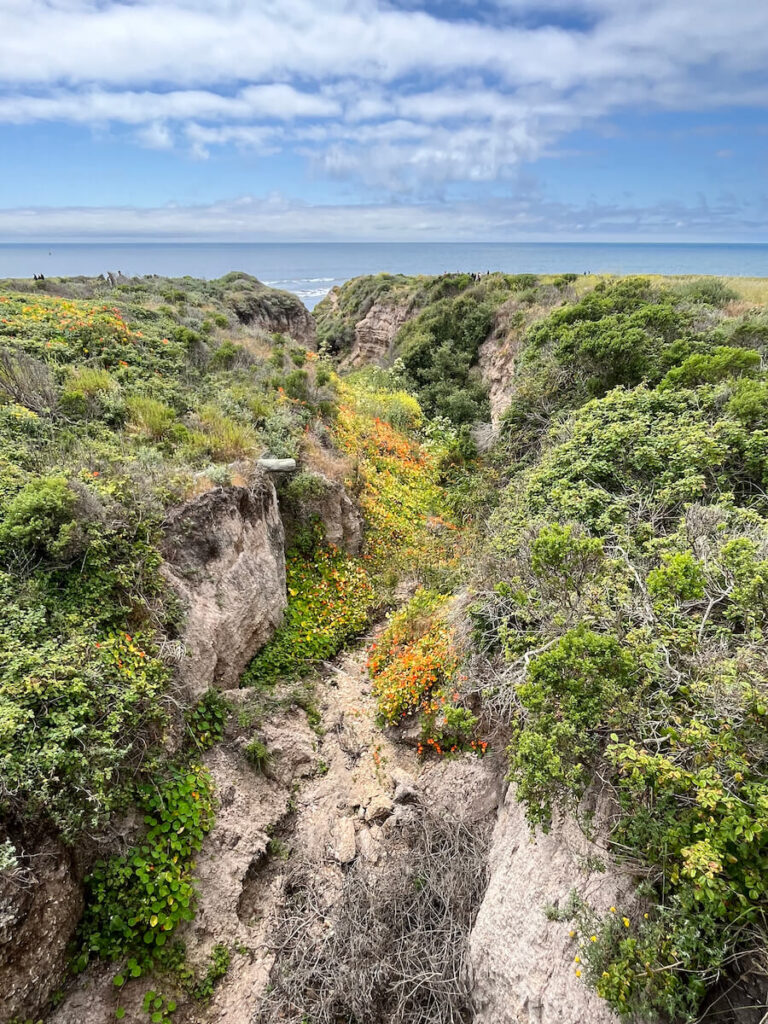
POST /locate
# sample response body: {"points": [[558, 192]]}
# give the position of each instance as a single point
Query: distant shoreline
{"points": [[311, 269]]}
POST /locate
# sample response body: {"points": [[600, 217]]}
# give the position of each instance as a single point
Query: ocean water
{"points": [[311, 269]]}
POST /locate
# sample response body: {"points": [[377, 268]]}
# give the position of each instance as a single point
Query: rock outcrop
{"points": [[225, 559], [324, 501], [523, 963], [271, 310], [375, 335], [498, 355], [501, 349], [39, 909]]}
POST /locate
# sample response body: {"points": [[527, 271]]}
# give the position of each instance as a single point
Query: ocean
{"points": [[311, 269]]}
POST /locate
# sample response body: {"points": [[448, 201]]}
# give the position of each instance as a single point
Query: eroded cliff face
{"points": [[502, 348], [523, 963], [39, 910], [327, 504], [375, 335], [225, 559], [273, 311]]}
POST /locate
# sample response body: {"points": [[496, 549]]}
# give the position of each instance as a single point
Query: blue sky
{"points": [[519, 120]]}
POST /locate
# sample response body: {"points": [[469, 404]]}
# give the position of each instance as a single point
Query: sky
{"points": [[384, 120]]}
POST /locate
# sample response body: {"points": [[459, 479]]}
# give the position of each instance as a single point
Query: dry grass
{"points": [[318, 459], [26, 381], [254, 340], [393, 949], [752, 290]]}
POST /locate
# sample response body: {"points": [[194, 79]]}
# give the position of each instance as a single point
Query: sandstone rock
{"points": [[277, 465], [344, 841], [379, 808], [468, 789], [39, 911], [523, 963], [375, 335], [499, 352], [290, 742], [327, 501], [342, 522], [225, 559], [273, 311], [401, 778], [369, 848]]}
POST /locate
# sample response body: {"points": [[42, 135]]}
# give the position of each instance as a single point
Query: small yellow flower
{"points": [[626, 921], [613, 910], [578, 974], [645, 916], [593, 938], [577, 959], [572, 934], [605, 974]]}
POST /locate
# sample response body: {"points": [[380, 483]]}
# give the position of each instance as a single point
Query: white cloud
{"points": [[276, 101], [275, 218], [384, 92], [155, 135]]}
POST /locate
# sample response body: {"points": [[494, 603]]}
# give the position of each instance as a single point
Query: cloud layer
{"points": [[369, 88], [276, 217], [398, 98]]}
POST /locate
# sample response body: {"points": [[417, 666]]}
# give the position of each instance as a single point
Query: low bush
{"points": [[84, 391], [135, 901], [40, 520], [329, 600], [149, 417]]}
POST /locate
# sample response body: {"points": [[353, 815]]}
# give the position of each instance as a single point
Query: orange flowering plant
{"points": [[412, 665], [329, 598]]}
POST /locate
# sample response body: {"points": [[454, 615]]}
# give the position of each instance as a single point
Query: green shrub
{"points": [[749, 402], [573, 694], [296, 385], [149, 417], [84, 389], [40, 520], [710, 290], [439, 350], [135, 901], [228, 355], [710, 368], [257, 754]]}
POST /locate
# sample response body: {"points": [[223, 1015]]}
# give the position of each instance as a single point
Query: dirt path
{"points": [[327, 794]]}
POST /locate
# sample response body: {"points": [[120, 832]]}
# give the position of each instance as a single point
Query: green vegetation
{"points": [[110, 412], [449, 318], [330, 597], [624, 608], [117, 403], [136, 901], [613, 540]]}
